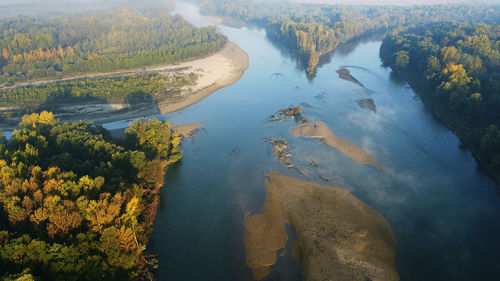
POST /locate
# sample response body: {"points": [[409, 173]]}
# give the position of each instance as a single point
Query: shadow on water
{"points": [[344, 49], [397, 79], [288, 52], [70, 108]]}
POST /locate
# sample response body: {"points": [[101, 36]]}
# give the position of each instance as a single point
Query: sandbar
{"points": [[367, 104], [320, 131], [345, 74], [338, 236], [186, 130]]}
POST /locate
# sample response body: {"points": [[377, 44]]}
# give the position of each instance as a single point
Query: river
{"points": [[443, 208]]}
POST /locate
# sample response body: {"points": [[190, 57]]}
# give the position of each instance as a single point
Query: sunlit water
{"points": [[443, 209]]}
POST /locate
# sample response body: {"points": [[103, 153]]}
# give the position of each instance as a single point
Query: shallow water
{"points": [[444, 210]]}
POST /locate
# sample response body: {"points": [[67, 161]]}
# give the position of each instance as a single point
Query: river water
{"points": [[443, 209]]}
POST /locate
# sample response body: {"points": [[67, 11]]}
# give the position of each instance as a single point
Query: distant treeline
{"points": [[76, 204], [456, 69], [313, 29], [61, 46], [49, 8], [125, 89]]}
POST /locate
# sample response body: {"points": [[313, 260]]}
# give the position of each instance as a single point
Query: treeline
{"points": [[125, 89], [313, 29], [75, 204], [35, 48], [458, 69]]}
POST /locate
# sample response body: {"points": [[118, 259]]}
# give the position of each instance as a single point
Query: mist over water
{"points": [[442, 207]]}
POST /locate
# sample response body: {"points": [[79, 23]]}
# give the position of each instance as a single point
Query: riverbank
{"points": [[214, 72], [457, 125]]}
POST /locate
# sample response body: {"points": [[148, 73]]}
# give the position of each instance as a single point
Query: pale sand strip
{"points": [[320, 131], [214, 72]]}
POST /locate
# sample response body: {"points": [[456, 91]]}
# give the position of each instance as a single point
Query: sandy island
{"points": [[214, 72], [320, 131], [187, 130], [338, 236], [367, 104], [281, 152], [346, 75]]}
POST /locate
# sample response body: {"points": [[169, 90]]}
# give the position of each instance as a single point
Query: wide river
{"points": [[444, 210]]}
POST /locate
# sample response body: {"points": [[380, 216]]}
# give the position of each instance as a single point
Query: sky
{"points": [[398, 2]]}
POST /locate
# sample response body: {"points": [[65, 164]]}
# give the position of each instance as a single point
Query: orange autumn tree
{"points": [[75, 204]]}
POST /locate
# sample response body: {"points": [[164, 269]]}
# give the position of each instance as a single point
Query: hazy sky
{"points": [[397, 2], [11, 8]]}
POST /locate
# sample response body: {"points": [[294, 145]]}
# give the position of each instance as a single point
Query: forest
{"points": [[128, 89], [456, 70], [77, 204], [39, 48], [313, 30]]}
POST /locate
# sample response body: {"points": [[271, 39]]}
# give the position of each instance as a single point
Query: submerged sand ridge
{"points": [[320, 131], [187, 130], [367, 104], [338, 236]]}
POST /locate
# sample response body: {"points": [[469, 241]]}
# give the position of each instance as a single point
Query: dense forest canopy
{"points": [[460, 68], [313, 29], [76, 204], [130, 89], [36, 48]]}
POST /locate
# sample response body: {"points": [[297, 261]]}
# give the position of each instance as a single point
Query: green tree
{"points": [[155, 138], [402, 59]]}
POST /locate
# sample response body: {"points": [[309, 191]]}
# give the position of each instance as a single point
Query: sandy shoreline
{"points": [[338, 236], [214, 72]]}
